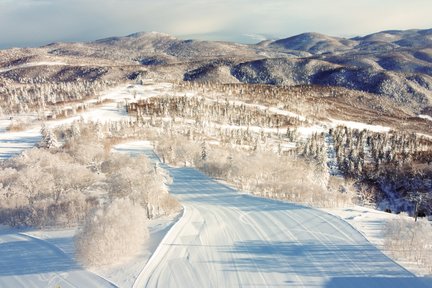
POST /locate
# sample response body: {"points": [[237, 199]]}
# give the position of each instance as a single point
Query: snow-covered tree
{"points": [[112, 234], [49, 139]]}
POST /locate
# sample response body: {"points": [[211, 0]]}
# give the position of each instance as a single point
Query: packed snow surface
{"points": [[228, 239], [223, 239], [13, 143], [372, 224], [30, 262]]}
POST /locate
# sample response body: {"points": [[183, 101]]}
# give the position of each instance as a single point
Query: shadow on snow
{"points": [[24, 255]]}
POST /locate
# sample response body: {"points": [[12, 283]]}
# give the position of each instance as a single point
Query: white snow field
{"points": [[29, 262], [223, 239], [228, 239], [359, 125], [13, 143], [372, 224], [122, 275], [427, 117]]}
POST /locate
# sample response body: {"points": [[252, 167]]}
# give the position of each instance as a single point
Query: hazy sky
{"points": [[37, 22]]}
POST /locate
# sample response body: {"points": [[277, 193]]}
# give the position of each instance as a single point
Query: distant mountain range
{"points": [[394, 64]]}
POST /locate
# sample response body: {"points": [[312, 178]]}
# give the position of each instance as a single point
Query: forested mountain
{"points": [[394, 64]]}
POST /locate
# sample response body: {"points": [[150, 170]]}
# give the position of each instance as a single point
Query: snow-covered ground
{"points": [[307, 131], [46, 258], [13, 143], [223, 239], [274, 110], [32, 64], [30, 262], [4, 124], [427, 117], [122, 275], [360, 126], [56, 247], [372, 224], [368, 221], [228, 239]]}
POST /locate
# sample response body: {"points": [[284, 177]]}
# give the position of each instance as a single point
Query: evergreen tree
{"points": [[49, 139]]}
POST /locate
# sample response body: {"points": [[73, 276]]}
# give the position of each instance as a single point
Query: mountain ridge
{"points": [[396, 64]]}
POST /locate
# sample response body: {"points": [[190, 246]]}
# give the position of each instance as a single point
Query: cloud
{"points": [[256, 37], [36, 22]]}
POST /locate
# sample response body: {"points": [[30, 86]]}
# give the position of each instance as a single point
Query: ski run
{"points": [[223, 238]]}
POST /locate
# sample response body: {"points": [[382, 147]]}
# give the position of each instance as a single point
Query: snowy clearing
{"points": [[274, 110], [13, 143], [369, 222], [372, 223], [223, 239], [29, 262], [56, 247], [360, 126], [427, 117], [46, 258]]}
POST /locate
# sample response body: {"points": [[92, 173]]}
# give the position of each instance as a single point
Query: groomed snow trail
{"points": [[13, 143], [28, 262], [228, 239]]}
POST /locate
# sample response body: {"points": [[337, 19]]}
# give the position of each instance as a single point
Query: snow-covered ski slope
{"points": [[29, 262], [228, 239], [224, 239], [13, 143]]}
